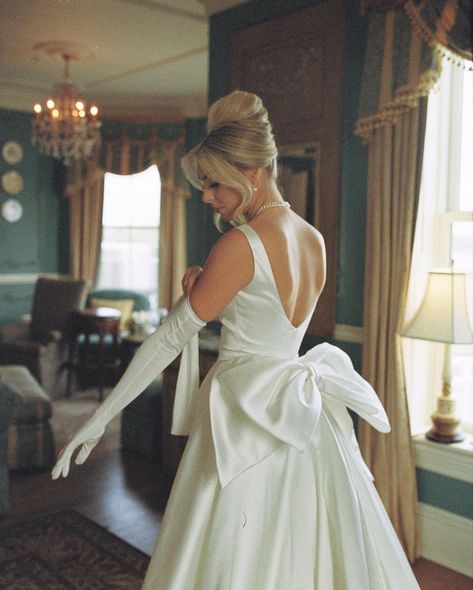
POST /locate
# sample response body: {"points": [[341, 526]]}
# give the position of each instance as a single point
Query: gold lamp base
{"points": [[445, 423], [444, 438]]}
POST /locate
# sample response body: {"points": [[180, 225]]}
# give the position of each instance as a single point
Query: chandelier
{"points": [[66, 128]]}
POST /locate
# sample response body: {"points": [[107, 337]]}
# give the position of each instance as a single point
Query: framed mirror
{"points": [[298, 179]]}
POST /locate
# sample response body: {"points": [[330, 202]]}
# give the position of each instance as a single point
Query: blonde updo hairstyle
{"points": [[239, 137]]}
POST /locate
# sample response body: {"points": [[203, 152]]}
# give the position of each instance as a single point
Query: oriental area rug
{"points": [[67, 551]]}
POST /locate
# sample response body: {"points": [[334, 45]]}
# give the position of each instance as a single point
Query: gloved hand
{"points": [[154, 355]]}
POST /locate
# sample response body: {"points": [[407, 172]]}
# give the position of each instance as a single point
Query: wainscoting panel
{"points": [[15, 301], [446, 538]]}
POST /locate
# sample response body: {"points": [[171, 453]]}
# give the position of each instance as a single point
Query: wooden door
{"points": [[295, 64]]}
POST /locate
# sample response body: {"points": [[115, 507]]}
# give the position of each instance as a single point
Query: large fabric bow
{"points": [[259, 403]]}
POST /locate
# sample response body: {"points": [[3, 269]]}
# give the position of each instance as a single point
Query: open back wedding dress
{"points": [[272, 492]]}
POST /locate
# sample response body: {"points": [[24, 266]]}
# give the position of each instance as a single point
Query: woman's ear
{"points": [[253, 174]]}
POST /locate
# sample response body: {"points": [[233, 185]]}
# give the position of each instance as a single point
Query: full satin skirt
{"points": [[297, 520]]}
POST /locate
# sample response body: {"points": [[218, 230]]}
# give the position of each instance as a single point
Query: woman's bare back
{"points": [[296, 254]]}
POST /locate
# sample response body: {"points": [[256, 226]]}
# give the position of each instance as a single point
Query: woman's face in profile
{"points": [[222, 198]]}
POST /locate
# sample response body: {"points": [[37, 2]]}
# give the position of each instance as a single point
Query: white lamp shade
{"points": [[443, 313]]}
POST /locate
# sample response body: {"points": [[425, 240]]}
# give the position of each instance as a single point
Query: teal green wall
{"points": [[443, 492], [37, 242]]}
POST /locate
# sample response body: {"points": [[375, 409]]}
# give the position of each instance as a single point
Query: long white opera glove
{"points": [[154, 355]]}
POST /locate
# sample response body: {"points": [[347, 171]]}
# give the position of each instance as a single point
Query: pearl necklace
{"points": [[272, 204]]}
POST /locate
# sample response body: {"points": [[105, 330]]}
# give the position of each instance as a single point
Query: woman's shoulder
{"points": [[233, 245], [232, 238]]}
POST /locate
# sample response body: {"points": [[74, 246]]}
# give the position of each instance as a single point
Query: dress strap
{"points": [[259, 253], [251, 235]]}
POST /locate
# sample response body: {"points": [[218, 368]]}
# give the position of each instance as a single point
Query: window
{"points": [[444, 233], [130, 239]]}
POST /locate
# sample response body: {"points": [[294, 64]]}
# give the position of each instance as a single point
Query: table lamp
{"points": [[443, 317]]}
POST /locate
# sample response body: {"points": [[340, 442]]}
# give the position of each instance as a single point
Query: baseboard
{"points": [[348, 333], [446, 538]]}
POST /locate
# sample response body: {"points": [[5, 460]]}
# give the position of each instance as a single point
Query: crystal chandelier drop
{"points": [[66, 128]]}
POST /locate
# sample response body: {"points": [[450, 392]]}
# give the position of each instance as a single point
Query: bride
{"points": [[272, 492]]}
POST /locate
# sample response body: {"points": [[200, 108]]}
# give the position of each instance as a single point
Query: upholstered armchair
{"points": [[41, 345]]}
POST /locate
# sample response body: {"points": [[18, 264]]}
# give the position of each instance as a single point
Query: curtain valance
{"points": [[399, 69], [446, 26], [131, 148]]}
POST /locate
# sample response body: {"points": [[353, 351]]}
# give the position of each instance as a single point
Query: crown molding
{"points": [[146, 67], [163, 7], [214, 6]]}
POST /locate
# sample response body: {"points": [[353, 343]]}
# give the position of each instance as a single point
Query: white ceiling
{"points": [[144, 58]]}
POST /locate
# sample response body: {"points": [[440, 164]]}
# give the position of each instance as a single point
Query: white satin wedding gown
{"points": [[272, 492]]}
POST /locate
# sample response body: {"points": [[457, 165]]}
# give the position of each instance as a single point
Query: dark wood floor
{"points": [[125, 494], [117, 489]]}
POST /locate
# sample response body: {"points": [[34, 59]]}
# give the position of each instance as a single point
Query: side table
{"points": [[100, 321]]}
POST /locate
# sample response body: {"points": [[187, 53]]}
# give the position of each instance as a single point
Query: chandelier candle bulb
{"points": [[68, 130]]}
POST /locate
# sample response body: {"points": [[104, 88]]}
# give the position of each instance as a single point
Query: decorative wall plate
{"points": [[12, 182], [12, 152], [12, 210]]}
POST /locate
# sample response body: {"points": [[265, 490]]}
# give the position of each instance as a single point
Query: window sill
{"points": [[451, 460]]}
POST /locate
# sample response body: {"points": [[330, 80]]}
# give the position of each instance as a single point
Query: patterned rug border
{"points": [[38, 515], [115, 563]]}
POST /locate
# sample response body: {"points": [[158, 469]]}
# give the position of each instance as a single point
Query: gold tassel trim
{"points": [[407, 97], [429, 37]]}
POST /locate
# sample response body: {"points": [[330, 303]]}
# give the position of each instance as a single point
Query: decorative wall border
{"points": [[446, 538], [25, 278]]}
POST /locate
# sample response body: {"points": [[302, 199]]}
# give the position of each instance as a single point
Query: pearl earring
{"points": [[254, 188]]}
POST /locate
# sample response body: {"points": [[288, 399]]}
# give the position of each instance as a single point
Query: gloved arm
{"points": [[154, 355]]}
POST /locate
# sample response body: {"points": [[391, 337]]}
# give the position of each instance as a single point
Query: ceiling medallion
{"points": [[65, 127]]}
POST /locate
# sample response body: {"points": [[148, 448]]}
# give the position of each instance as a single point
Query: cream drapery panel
{"points": [[127, 149], [398, 72], [395, 155], [85, 221], [172, 245]]}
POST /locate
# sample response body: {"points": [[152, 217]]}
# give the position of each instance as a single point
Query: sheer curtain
{"points": [[439, 207]]}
